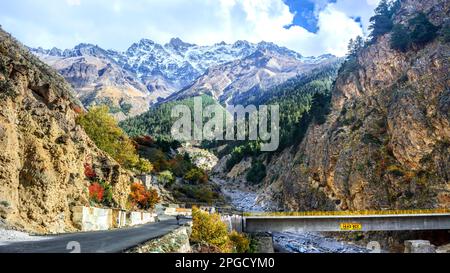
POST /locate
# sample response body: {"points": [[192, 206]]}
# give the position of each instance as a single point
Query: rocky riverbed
{"points": [[244, 199], [313, 243]]}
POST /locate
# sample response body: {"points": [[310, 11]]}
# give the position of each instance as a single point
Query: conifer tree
{"points": [[381, 22], [400, 39], [423, 31]]}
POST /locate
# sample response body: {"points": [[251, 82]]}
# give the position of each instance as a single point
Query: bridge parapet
{"points": [[323, 223]]}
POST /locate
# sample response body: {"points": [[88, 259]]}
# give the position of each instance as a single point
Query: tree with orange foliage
{"points": [[140, 196], [153, 198]]}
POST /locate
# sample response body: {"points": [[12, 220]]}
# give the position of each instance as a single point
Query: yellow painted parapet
{"points": [[345, 213]]}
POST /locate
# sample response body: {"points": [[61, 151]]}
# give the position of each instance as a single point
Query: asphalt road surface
{"points": [[111, 241]]}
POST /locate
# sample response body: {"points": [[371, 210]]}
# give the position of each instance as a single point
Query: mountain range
{"points": [[148, 72]]}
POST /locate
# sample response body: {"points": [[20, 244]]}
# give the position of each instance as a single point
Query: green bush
{"points": [[143, 166], [253, 248], [360, 167], [126, 108], [196, 176], [180, 165], [200, 193], [371, 139], [400, 39], [423, 31], [166, 178], [208, 229], [240, 242], [158, 158], [107, 195], [238, 153], [7, 90], [204, 195], [257, 173]]}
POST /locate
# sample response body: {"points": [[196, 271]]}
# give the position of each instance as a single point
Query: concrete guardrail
{"points": [[95, 219]]}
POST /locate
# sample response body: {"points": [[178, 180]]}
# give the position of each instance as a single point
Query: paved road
{"points": [[112, 241]]}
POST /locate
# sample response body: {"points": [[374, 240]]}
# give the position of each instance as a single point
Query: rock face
{"points": [[43, 149], [200, 157], [386, 143]]}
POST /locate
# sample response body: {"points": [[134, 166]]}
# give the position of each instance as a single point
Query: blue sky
{"points": [[304, 13], [311, 27]]}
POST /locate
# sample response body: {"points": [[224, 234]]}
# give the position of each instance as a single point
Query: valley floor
{"points": [[313, 243]]}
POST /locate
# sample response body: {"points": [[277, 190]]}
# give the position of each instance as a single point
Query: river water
{"points": [[308, 242]]}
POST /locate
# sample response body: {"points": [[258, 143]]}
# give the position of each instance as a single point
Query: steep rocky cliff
{"points": [[386, 143], [43, 150]]}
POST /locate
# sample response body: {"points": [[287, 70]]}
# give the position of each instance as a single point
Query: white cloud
{"points": [[118, 23], [266, 20], [363, 9], [73, 2]]}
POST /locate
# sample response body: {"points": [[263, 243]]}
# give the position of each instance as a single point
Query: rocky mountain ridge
{"points": [[147, 72], [235, 82], [386, 142]]}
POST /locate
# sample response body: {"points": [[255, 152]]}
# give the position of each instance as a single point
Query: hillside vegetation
{"points": [[303, 100], [157, 122]]}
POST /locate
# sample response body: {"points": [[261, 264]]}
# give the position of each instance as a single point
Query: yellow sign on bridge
{"points": [[350, 226]]}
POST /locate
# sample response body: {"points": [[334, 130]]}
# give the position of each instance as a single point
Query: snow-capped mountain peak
{"points": [[178, 45], [155, 71]]}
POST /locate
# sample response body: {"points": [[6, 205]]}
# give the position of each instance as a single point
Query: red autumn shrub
{"points": [[89, 171], [96, 192], [142, 197], [139, 194]]}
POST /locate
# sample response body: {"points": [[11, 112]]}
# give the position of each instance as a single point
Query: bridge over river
{"points": [[381, 221]]}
